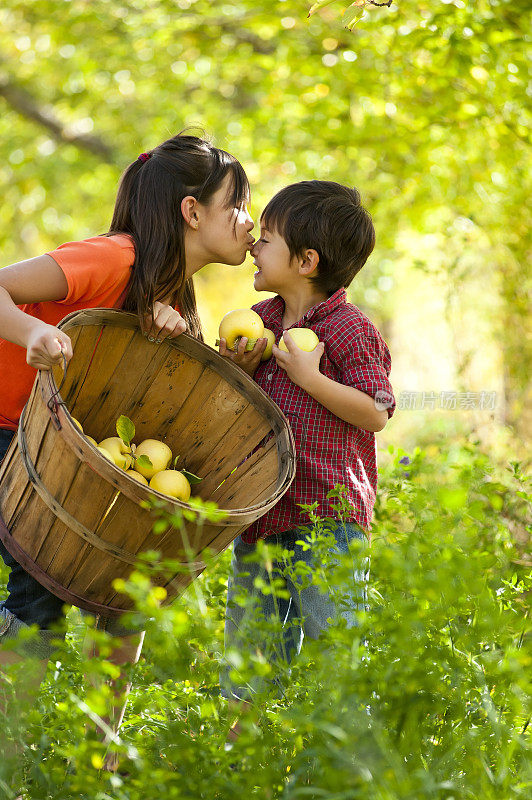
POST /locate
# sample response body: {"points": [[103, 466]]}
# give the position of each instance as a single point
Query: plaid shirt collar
{"points": [[273, 314]]}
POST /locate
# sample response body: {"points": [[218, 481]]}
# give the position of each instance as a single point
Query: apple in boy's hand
{"points": [[239, 323], [270, 336], [304, 338]]}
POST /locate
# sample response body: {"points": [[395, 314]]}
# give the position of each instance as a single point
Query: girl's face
{"points": [[220, 234]]}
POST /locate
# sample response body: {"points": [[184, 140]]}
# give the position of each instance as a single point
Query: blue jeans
{"points": [[302, 610], [29, 603]]}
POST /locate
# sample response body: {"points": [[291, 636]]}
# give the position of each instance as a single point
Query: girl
{"points": [[179, 207]]}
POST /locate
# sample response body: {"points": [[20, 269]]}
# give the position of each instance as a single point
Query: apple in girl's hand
{"points": [[172, 483], [119, 451], [239, 323], [158, 453], [270, 336], [304, 338]]}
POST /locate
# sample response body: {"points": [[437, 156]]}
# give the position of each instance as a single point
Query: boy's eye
{"points": [[263, 241]]}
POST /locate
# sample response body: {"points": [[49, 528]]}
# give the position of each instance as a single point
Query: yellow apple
{"points": [[270, 336], [119, 451], [172, 483], [241, 322], [105, 453], [304, 338], [159, 454], [78, 423], [137, 476], [91, 440]]}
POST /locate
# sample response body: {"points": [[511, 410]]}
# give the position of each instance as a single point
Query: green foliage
{"points": [[429, 697], [125, 428]]}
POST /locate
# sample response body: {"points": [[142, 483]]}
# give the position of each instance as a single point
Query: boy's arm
{"points": [[346, 402], [350, 404]]}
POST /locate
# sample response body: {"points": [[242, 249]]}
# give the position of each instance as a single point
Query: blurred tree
{"points": [[422, 106]]}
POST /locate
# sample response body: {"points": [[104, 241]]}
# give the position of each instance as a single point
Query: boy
{"points": [[315, 237]]}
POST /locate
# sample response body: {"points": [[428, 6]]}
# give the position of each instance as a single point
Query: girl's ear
{"points": [[189, 209], [308, 263]]}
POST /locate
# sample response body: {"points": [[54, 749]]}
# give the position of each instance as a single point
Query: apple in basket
{"points": [[171, 482], [119, 451], [158, 453]]}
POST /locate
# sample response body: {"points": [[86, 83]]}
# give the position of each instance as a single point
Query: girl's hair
{"points": [[148, 208]]}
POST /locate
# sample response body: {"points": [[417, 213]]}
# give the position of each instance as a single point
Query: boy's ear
{"points": [[308, 262]]}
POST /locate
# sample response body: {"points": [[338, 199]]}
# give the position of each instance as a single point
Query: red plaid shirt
{"points": [[329, 451]]}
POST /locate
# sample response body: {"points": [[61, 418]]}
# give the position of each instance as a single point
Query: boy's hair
{"points": [[329, 218]]}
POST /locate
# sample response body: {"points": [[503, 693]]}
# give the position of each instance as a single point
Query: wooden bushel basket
{"points": [[74, 520]]}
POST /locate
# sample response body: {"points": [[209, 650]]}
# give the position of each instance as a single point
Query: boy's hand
{"points": [[299, 365], [248, 361]]}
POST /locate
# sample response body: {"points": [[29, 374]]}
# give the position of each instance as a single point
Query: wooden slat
{"points": [[84, 342], [245, 434], [199, 434], [154, 411], [248, 479], [125, 525], [87, 499], [103, 378], [57, 466]]}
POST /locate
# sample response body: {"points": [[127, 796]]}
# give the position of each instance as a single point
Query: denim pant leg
{"points": [[256, 627], [312, 607], [305, 613]]}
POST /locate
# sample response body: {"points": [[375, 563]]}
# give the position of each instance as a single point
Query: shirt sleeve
{"points": [[96, 269], [364, 362]]}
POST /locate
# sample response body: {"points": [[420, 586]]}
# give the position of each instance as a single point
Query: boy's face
{"points": [[276, 270]]}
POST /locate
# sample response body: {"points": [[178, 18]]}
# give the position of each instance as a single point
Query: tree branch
{"points": [[26, 105]]}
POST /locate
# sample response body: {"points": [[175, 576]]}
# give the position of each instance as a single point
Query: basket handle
{"points": [[53, 403]]}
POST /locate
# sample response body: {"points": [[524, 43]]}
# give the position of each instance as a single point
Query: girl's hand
{"points": [[299, 365], [46, 345], [248, 361], [167, 323]]}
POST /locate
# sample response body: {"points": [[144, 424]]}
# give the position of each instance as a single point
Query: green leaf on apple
{"points": [[125, 429]]}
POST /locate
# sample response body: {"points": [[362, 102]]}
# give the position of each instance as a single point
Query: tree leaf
{"points": [[319, 4], [144, 461], [125, 429], [357, 12]]}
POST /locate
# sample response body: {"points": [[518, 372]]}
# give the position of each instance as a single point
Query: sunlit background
{"points": [[420, 106]]}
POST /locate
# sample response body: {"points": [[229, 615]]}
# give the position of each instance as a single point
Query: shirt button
{"points": [[269, 375]]}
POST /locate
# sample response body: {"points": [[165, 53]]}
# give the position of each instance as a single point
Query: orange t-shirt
{"points": [[97, 271]]}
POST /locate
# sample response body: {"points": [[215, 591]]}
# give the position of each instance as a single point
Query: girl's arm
{"points": [[35, 280]]}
